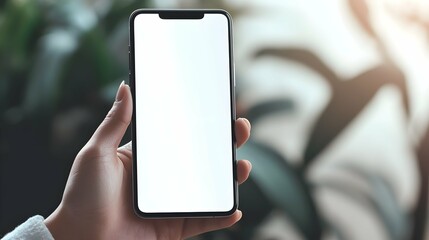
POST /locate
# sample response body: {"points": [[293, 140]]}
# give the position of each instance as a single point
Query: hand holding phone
{"points": [[97, 200]]}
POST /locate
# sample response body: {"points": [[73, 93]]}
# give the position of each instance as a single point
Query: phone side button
{"points": [[129, 60], [233, 73]]}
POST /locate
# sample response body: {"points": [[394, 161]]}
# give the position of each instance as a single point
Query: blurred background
{"points": [[337, 92]]}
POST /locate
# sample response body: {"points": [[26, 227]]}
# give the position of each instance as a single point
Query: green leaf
{"points": [[44, 77], [283, 186], [380, 199], [19, 20], [348, 100], [349, 96], [266, 108]]}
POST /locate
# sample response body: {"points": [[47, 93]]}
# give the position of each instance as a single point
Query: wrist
{"points": [[63, 225]]}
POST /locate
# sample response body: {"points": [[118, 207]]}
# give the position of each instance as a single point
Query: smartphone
{"points": [[182, 81]]}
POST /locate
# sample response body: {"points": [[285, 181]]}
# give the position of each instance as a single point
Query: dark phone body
{"points": [[145, 197]]}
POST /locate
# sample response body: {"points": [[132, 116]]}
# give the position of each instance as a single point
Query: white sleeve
{"points": [[33, 229]]}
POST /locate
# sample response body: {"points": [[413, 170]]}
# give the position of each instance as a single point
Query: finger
{"points": [[243, 170], [195, 226], [127, 147], [125, 154], [242, 131], [112, 129]]}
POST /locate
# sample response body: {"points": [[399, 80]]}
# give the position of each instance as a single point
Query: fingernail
{"points": [[120, 94], [250, 164], [247, 122], [240, 213]]}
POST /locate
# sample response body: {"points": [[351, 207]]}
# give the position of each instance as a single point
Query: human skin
{"points": [[97, 200]]}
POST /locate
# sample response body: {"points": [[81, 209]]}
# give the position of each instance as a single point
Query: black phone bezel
{"points": [[182, 14]]}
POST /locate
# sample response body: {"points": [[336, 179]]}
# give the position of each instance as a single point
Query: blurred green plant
{"points": [[378, 196], [46, 47], [284, 186], [60, 64]]}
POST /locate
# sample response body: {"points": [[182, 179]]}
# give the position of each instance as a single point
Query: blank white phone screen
{"points": [[183, 114]]}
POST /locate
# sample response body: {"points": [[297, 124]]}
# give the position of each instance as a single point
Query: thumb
{"points": [[110, 132]]}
